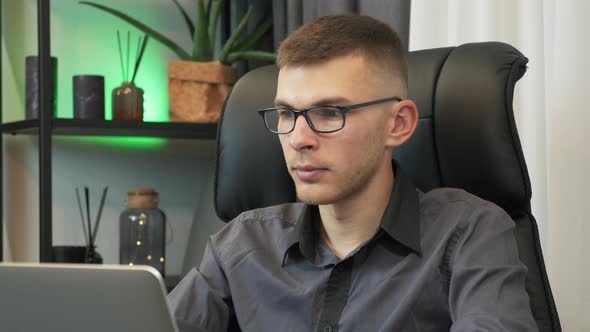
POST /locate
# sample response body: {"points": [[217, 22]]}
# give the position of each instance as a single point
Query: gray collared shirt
{"points": [[440, 261]]}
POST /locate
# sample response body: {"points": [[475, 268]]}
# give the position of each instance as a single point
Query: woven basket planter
{"points": [[197, 90]]}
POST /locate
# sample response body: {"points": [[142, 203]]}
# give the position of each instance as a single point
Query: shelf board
{"points": [[79, 127]]}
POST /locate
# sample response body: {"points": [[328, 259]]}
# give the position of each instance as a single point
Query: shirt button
{"points": [[327, 328]]}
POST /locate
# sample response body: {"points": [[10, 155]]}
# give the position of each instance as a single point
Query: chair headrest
{"points": [[251, 171], [466, 137]]}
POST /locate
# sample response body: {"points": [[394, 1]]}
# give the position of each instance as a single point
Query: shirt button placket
{"points": [[336, 296]]}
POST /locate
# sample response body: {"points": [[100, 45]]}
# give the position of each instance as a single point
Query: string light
{"points": [[162, 259], [149, 257], [138, 243]]}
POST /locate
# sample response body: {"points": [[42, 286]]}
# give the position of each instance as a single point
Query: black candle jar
{"points": [[88, 97], [32, 86]]}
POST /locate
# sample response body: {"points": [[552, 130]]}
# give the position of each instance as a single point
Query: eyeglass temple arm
{"points": [[369, 103]]}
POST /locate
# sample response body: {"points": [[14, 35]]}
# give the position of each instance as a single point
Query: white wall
{"points": [[84, 41], [568, 80]]}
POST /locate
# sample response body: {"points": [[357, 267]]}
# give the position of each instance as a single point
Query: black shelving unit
{"points": [[1, 155], [47, 126], [78, 127]]}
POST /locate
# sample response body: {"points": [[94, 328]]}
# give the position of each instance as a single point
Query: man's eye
{"points": [[327, 112], [285, 113]]}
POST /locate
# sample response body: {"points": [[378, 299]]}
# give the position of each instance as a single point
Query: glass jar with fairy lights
{"points": [[143, 231]]}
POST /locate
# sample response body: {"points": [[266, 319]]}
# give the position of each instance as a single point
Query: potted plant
{"points": [[199, 82]]}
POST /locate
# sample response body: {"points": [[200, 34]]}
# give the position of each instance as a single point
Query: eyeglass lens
{"points": [[323, 119]]}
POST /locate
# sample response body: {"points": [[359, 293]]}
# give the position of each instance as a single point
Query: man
{"points": [[364, 251]]}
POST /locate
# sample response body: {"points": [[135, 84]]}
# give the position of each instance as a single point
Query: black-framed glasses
{"points": [[321, 118]]}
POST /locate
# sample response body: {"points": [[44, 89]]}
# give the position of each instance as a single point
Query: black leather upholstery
{"points": [[466, 138]]}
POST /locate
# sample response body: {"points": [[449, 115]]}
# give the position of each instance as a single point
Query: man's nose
{"points": [[302, 137]]}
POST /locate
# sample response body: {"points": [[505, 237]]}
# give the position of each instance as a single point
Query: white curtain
{"points": [[552, 116]]}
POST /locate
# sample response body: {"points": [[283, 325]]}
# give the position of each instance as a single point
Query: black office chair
{"points": [[466, 138]]}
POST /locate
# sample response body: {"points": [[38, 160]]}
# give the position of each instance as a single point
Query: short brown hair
{"points": [[331, 36]]}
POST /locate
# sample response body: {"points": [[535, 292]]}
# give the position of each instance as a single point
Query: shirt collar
{"points": [[400, 220], [307, 230]]}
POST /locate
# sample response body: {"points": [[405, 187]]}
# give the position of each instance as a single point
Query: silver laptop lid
{"points": [[79, 297]]}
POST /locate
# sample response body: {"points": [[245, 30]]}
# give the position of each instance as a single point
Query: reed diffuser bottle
{"points": [[143, 230], [128, 102], [128, 98]]}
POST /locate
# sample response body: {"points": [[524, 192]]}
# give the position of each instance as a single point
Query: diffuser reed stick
{"points": [[139, 57], [86, 239], [138, 47], [141, 45], [121, 55], [99, 214], [89, 231], [87, 196], [127, 69]]}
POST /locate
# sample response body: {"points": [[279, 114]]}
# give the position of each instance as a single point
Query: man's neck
{"points": [[347, 224]]}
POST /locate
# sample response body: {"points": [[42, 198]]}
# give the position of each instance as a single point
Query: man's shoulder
{"points": [[283, 214], [457, 206], [259, 227], [441, 197], [449, 217]]}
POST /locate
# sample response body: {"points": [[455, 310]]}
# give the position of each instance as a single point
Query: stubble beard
{"points": [[347, 186]]}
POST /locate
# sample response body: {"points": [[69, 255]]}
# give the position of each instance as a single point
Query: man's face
{"points": [[330, 168]]}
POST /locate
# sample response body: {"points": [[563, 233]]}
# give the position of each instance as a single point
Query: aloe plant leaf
{"points": [[208, 9], [234, 36], [251, 39], [141, 26], [213, 19], [201, 46], [187, 19], [251, 55]]}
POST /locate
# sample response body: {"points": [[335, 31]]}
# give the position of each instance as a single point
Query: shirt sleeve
{"points": [[487, 282], [202, 301]]}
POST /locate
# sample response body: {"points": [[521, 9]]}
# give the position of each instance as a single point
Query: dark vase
{"points": [[128, 102], [76, 254], [69, 254], [92, 256]]}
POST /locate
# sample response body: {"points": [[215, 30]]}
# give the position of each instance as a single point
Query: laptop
{"points": [[82, 297]]}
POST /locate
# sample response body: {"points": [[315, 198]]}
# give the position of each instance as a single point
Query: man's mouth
{"points": [[308, 172]]}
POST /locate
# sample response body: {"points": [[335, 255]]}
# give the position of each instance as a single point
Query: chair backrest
{"points": [[466, 138]]}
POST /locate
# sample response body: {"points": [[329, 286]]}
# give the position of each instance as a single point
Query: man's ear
{"points": [[403, 124]]}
